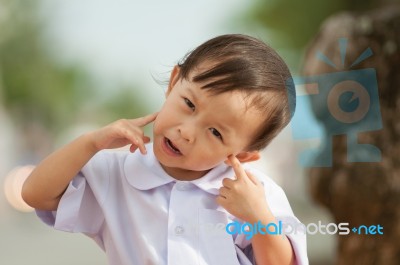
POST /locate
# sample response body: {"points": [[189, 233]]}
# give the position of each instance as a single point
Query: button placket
{"points": [[181, 217], [180, 229]]}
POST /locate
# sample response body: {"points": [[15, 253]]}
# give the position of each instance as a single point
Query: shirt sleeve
{"points": [[282, 211], [80, 207]]}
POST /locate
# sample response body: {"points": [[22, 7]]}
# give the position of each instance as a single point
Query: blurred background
{"points": [[67, 67]]}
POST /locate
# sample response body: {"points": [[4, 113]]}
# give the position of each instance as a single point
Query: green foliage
{"points": [[34, 88], [292, 23], [123, 104]]}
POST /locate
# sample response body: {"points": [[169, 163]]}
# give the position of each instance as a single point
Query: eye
{"points": [[216, 133], [190, 104]]}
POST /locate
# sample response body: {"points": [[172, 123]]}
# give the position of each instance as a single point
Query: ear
{"points": [[248, 156], [173, 79], [251, 156]]}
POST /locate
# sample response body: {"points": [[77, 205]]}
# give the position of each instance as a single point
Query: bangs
{"points": [[226, 76], [233, 74]]}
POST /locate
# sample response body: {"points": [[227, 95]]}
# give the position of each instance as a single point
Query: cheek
{"points": [[157, 124], [164, 118], [210, 155], [207, 163]]}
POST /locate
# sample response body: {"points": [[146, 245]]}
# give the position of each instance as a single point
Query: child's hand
{"points": [[243, 197], [123, 132]]}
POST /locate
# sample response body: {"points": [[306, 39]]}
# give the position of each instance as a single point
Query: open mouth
{"points": [[172, 146]]}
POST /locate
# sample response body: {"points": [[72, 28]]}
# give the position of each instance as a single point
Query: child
{"points": [[167, 202]]}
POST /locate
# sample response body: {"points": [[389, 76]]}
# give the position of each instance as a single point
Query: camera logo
{"points": [[347, 101]]}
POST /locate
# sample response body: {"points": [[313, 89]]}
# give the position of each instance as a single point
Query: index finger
{"points": [[146, 119], [237, 167]]}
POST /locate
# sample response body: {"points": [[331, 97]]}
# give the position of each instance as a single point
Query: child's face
{"points": [[195, 131]]}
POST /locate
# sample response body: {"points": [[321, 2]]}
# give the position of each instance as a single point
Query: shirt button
{"points": [[179, 230]]}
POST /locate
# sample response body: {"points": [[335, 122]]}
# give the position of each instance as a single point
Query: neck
{"points": [[184, 174]]}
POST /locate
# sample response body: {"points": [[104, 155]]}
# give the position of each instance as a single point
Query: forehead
{"points": [[232, 104]]}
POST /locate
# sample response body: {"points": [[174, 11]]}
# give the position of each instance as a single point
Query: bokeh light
{"points": [[13, 186]]}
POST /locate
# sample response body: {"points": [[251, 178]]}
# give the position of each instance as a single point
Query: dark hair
{"points": [[246, 64]]}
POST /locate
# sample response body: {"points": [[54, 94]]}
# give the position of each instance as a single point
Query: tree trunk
{"points": [[362, 193]]}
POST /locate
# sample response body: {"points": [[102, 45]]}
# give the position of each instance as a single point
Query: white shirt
{"points": [[140, 215]]}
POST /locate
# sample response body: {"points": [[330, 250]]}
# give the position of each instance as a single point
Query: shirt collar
{"points": [[212, 181], [144, 172]]}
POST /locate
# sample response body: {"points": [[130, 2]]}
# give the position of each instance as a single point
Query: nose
{"points": [[187, 132]]}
